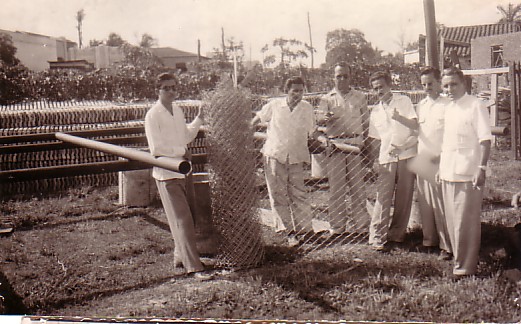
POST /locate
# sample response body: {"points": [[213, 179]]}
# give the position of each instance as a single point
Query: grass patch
{"points": [[83, 254]]}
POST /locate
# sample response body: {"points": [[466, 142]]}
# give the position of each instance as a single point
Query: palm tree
{"points": [[79, 17], [511, 13]]}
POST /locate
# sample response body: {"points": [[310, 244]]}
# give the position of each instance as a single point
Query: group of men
{"points": [[443, 146]]}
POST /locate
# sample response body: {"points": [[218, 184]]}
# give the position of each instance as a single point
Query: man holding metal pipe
{"points": [[168, 135], [344, 113], [465, 151]]}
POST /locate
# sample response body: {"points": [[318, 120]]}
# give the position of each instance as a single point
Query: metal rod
{"points": [[174, 164]]}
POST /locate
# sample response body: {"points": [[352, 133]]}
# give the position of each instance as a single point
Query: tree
{"points": [[80, 15], [349, 46], [115, 40], [289, 51], [7, 51], [147, 41], [140, 57], [224, 56], [511, 13], [95, 42]]}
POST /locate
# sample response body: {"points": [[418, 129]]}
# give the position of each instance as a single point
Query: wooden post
{"points": [[493, 99], [514, 110], [432, 37]]}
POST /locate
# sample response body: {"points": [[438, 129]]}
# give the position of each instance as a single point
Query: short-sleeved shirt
{"points": [[350, 110], [467, 123], [431, 117], [168, 135], [288, 131], [390, 131]]}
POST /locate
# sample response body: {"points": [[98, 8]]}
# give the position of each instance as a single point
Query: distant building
{"points": [[175, 58], [79, 65], [457, 41], [102, 56], [35, 51], [411, 57], [493, 52]]}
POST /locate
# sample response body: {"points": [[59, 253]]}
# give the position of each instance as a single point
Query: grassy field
{"points": [[81, 254]]}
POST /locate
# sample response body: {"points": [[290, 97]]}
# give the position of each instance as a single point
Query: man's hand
{"points": [[516, 200], [396, 115], [188, 155], [479, 179], [396, 150], [200, 112]]}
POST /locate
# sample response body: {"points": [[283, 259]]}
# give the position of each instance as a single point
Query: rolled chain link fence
{"points": [[231, 159]]}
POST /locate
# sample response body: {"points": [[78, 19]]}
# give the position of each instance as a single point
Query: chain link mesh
{"points": [[339, 185], [231, 158]]}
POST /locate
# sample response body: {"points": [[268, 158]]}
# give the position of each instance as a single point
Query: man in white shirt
{"points": [[344, 113], [290, 123], [431, 116], [393, 126], [464, 155], [168, 135]]}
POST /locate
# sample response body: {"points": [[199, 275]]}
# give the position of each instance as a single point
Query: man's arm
{"points": [[411, 123], [373, 150], [484, 150]]}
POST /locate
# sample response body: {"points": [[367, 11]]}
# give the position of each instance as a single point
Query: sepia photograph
{"points": [[275, 161]]}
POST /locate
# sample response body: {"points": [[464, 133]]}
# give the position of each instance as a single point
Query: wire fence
{"points": [[328, 201]]}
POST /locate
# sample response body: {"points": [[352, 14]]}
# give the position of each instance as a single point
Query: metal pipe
{"points": [[500, 130], [174, 164]]}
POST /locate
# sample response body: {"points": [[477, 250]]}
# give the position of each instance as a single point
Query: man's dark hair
{"points": [[431, 70], [386, 76], [293, 80], [454, 71], [164, 77], [345, 65]]}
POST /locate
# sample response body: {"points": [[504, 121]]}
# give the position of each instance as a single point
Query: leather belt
{"points": [[344, 136]]}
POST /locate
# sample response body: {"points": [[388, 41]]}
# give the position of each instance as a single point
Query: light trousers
{"points": [[345, 174], [434, 224], [394, 180], [173, 195], [463, 214], [287, 193]]}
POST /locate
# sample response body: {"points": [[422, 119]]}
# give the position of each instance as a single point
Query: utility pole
{"points": [[310, 42], [432, 36], [198, 50], [225, 58]]}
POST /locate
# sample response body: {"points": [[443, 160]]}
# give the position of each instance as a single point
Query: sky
{"points": [[181, 23]]}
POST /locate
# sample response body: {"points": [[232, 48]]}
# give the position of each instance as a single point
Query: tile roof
{"points": [[462, 35]]}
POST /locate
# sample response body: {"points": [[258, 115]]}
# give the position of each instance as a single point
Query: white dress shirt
{"points": [[168, 135], [288, 131], [390, 131], [467, 123], [431, 116]]}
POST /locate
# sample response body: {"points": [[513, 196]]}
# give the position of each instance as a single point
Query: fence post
{"points": [[514, 111]]}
